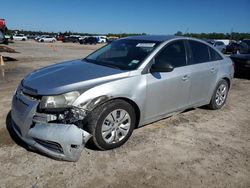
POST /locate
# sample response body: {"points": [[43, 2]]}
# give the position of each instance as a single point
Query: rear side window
{"points": [[199, 51], [173, 54], [214, 56]]}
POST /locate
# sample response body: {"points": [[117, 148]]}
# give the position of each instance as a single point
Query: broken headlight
{"points": [[59, 101]]}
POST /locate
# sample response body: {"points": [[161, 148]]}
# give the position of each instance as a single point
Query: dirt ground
{"points": [[198, 148]]}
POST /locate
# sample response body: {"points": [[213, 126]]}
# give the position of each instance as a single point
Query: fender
{"points": [[134, 87]]}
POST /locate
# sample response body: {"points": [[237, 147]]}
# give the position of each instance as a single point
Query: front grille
{"points": [[54, 146]]}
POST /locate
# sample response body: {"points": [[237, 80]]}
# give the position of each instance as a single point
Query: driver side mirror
{"points": [[161, 67]]}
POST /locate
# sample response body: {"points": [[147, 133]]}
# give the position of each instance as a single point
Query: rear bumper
{"points": [[59, 141]]}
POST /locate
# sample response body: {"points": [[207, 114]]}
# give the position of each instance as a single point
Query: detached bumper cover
{"points": [[60, 141]]}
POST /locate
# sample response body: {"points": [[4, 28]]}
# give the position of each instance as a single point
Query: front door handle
{"points": [[185, 77], [212, 69]]}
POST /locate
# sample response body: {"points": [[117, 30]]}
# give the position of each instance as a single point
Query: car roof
{"points": [[159, 38]]}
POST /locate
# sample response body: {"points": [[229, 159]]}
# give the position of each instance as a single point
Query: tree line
{"points": [[67, 33], [230, 36]]}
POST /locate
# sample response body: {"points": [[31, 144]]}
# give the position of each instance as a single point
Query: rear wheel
{"points": [[219, 96], [111, 124]]}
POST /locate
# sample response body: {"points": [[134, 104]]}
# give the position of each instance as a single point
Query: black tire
{"points": [[98, 115], [213, 104], [23, 39]]}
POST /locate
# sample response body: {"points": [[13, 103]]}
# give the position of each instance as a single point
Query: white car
{"points": [[101, 39], [47, 39], [220, 46], [21, 37], [40, 36]]}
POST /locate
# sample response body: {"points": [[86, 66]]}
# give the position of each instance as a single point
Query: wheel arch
{"points": [[135, 106], [131, 102], [227, 80]]}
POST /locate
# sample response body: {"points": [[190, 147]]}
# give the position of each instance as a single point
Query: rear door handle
{"points": [[185, 77]]}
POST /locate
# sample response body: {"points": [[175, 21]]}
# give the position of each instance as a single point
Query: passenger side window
{"points": [[214, 56], [173, 54], [199, 52]]}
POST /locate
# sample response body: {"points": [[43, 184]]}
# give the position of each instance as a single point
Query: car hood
{"points": [[69, 76]]}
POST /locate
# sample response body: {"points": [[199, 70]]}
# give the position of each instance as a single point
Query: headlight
{"points": [[59, 101]]}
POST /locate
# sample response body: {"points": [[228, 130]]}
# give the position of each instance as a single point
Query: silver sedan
{"points": [[126, 84]]}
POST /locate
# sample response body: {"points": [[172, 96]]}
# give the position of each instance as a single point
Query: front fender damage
{"points": [[58, 134]]}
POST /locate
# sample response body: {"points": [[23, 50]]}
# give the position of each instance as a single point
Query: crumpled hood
{"points": [[68, 76]]}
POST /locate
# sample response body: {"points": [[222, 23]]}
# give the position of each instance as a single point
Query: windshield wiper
{"points": [[103, 63], [111, 65]]}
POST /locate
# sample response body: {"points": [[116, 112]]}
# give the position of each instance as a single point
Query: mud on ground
{"points": [[198, 148]]}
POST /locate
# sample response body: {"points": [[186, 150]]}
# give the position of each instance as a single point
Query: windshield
{"points": [[125, 54]]}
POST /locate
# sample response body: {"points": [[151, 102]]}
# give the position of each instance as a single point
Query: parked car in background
{"points": [[241, 63], [233, 47], [88, 40], [3, 27], [225, 41], [101, 39], [74, 39], [244, 46], [2, 38], [31, 36], [242, 58], [21, 37], [240, 47], [47, 39], [220, 46], [111, 39], [128, 83], [40, 36], [60, 37]]}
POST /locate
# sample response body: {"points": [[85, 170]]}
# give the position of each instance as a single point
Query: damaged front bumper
{"points": [[58, 140]]}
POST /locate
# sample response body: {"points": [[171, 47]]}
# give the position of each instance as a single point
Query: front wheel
{"points": [[219, 96], [111, 124]]}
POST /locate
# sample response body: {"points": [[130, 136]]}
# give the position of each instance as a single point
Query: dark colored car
{"points": [[71, 39], [233, 47], [241, 63], [242, 59], [3, 40], [245, 46], [89, 40], [60, 37]]}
